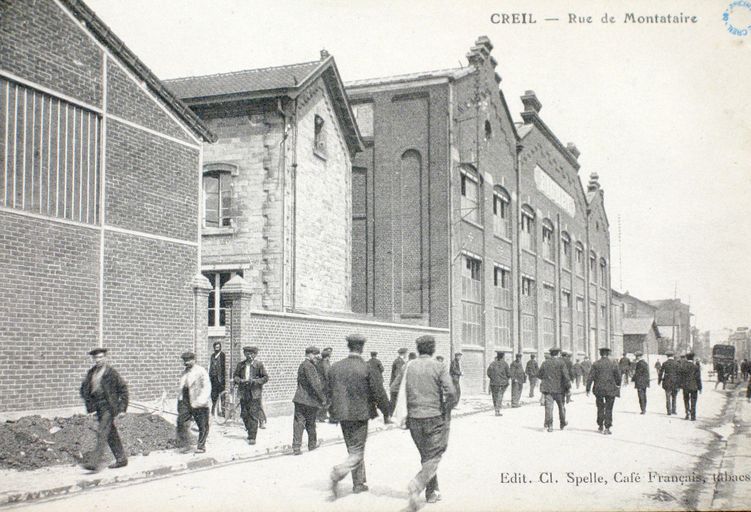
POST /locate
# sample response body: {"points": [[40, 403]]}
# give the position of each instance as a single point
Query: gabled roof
{"points": [[105, 36], [639, 326], [279, 81]]}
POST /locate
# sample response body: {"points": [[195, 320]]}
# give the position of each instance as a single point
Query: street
{"points": [[650, 462]]}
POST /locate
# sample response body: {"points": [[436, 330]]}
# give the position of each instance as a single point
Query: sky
{"points": [[662, 112]]}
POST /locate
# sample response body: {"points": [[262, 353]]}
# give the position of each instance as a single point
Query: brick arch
{"points": [[411, 217]]}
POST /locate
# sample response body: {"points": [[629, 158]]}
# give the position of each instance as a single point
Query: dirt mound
{"points": [[33, 442]]}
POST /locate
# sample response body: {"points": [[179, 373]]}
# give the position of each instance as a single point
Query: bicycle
{"points": [[228, 407]]}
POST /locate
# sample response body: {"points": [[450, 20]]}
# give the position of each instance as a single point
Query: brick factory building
{"points": [[469, 222], [99, 210]]}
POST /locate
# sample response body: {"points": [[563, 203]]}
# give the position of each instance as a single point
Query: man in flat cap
{"points": [[641, 380], [605, 382], [396, 368], [356, 390], [532, 369], [375, 362], [690, 375], [193, 401], [323, 364], [309, 397], [455, 371], [498, 372], [566, 358], [430, 397], [554, 383], [624, 366], [106, 393], [670, 381], [518, 378], [250, 376]]}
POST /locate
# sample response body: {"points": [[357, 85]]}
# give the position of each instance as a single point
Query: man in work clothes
{"points": [[518, 377], [323, 364], [554, 383], [250, 376], [641, 380], [605, 382], [690, 373], [546, 357], [309, 397], [455, 371], [624, 365], [586, 367], [578, 372], [375, 362], [217, 374], [532, 369], [396, 368], [356, 390], [498, 372], [193, 399], [669, 379], [106, 393], [430, 396], [566, 357]]}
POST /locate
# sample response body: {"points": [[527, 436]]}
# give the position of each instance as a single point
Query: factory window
{"points": [[470, 202], [579, 253], [592, 267], [218, 306], [471, 301], [603, 272], [548, 246], [566, 250], [501, 213], [528, 228], [217, 198]]}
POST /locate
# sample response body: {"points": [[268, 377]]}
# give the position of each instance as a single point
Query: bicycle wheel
{"points": [[222, 409]]}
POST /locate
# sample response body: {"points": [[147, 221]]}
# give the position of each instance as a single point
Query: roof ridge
{"points": [[242, 71], [402, 75]]}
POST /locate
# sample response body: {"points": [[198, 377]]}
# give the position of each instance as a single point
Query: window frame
{"points": [[527, 228], [470, 211], [502, 227]]}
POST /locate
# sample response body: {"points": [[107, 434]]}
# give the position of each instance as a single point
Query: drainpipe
{"points": [[293, 234], [283, 167], [518, 251], [450, 224]]}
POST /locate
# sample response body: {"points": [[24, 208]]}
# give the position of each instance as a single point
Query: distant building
{"points": [[99, 210], [673, 320], [742, 342], [640, 334], [466, 220]]}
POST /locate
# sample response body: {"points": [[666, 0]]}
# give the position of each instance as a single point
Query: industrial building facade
{"points": [[464, 220], [99, 209]]}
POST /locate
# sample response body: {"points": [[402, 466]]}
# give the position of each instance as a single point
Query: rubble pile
{"points": [[33, 442]]}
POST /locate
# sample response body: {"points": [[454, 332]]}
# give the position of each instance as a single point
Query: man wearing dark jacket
{"points": [[641, 380], [309, 397], [670, 381], [554, 383], [624, 365], [455, 371], [606, 377], [498, 372], [375, 362], [217, 374], [106, 393], [518, 378], [356, 390], [250, 376], [566, 357], [690, 374], [532, 369], [396, 368]]}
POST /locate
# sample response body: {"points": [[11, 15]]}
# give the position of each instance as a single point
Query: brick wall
{"points": [[148, 310], [48, 310], [151, 183], [282, 339], [41, 43]]}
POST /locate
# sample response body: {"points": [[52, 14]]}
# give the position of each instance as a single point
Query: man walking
{"points": [[691, 384], [641, 380], [309, 397], [250, 376], [217, 374], [455, 371], [323, 364], [396, 368], [605, 382], [430, 396], [586, 368], [356, 390], [375, 362], [669, 378], [624, 365], [498, 372], [532, 370], [546, 357], [578, 372], [566, 357], [194, 395], [554, 383], [106, 393], [518, 378]]}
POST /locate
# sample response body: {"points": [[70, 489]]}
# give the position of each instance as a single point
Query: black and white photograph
{"points": [[396, 255]]}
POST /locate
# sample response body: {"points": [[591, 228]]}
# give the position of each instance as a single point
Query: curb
{"points": [[18, 497]]}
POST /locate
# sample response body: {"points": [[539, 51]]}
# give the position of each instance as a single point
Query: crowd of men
{"points": [[421, 393]]}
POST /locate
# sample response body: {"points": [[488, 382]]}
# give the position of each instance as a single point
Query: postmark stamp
{"points": [[737, 18]]}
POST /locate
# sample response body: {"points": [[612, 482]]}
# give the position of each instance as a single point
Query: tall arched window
{"points": [[471, 196], [566, 250], [501, 213], [548, 244], [592, 267], [528, 228], [217, 195], [411, 232], [603, 272], [579, 255]]}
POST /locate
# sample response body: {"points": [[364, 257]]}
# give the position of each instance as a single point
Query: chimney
{"points": [[324, 54], [594, 182], [573, 150], [531, 103], [480, 52]]}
